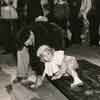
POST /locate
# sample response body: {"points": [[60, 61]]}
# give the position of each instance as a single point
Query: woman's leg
{"points": [[22, 62]]}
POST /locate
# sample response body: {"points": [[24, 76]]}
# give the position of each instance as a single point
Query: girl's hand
{"points": [[58, 75]]}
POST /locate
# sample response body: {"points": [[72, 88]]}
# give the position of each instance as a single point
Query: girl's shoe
{"points": [[75, 84]]}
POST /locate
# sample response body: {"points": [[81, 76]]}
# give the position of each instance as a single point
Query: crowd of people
{"points": [[48, 22], [78, 15]]}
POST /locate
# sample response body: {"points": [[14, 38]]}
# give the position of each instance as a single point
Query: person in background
{"points": [[8, 20], [75, 21], [84, 10], [34, 10], [21, 4], [61, 13], [57, 11], [28, 10], [94, 20], [8, 9], [45, 7]]}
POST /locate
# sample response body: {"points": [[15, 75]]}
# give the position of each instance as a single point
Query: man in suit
{"points": [[94, 20], [75, 21]]}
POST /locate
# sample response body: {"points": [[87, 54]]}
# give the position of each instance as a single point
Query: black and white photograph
{"points": [[49, 49]]}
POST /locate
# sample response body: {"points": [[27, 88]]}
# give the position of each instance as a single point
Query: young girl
{"points": [[57, 64]]}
